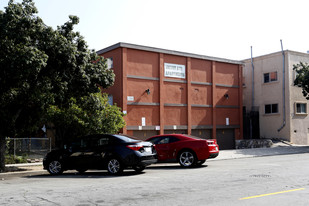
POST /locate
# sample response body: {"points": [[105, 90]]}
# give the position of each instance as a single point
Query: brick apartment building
{"points": [[163, 91]]}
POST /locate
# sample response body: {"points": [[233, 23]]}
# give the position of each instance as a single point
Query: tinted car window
{"points": [[164, 140], [75, 145], [155, 140], [167, 140], [103, 141], [84, 143], [94, 141], [173, 139]]}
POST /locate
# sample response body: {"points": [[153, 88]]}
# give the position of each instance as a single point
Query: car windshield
{"points": [[126, 138]]}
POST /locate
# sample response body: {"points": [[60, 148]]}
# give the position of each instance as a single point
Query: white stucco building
{"points": [[270, 90]]}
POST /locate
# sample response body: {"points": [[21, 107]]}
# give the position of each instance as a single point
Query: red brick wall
{"points": [[198, 95]]}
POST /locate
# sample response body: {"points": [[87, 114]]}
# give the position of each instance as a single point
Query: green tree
{"points": [[302, 77], [85, 115], [40, 67]]}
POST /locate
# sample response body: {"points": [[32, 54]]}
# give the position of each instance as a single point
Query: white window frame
{"points": [[301, 112]]}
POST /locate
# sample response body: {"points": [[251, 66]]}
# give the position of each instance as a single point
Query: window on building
{"points": [[301, 108], [110, 99], [110, 63], [270, 77], [271, 108]]}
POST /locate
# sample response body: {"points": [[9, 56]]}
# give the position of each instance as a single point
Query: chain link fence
{"points": [[32, 148]]}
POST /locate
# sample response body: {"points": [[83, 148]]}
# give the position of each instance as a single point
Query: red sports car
{"points": [[189, 151]]}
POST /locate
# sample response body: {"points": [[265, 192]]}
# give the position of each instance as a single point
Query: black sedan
{"points": [[102, 151]]}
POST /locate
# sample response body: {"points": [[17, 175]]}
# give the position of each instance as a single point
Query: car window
{"points": [[103, 141], [155, 140], [173, 139], [93, 141], [84, 143], [164, 140], [75, 145]]}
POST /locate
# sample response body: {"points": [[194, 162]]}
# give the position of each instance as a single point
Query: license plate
{"points": [[148, 149]]}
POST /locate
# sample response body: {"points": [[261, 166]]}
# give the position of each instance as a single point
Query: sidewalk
{"points": [[260, 152], [278, 149]]}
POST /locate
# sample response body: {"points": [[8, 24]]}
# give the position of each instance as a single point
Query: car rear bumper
{"points": [[145, 161], [213, 155]]}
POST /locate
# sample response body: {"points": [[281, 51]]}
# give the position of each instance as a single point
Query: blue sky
{"points": [[221, 28]]}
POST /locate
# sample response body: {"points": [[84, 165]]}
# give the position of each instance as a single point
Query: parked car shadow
{"points": [[176, 166], [88, 174]]}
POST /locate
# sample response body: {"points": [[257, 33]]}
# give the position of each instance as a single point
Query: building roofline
{"points": [[277, 53], [165, 51]]}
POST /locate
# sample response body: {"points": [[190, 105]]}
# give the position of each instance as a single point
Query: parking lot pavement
{"points": [[34, 168]]}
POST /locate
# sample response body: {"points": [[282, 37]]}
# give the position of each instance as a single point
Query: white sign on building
{"points": [[143, 121], [227, 121], [130, 98], [175, 70]]}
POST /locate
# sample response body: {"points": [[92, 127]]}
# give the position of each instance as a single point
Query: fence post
{"points": [[29, 144], [14, 147]]}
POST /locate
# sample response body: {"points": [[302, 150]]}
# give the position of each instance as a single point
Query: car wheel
{"points": [[199, 163], [55, 167], [187, 158], [139, 168], [114, 166]]}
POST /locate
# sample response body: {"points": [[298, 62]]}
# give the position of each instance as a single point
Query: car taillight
{"points": [[211, 142], [135, 147]]}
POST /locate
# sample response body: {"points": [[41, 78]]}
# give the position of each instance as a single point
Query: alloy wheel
{"points": [[114, 166], [186, 159], [55, 167]]}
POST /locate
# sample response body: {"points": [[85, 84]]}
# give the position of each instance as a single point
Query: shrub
{"points": [[10, 159]]}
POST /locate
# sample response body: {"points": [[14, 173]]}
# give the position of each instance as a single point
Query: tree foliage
{"points": [[84, 116], [302, 77], [42, 68]]}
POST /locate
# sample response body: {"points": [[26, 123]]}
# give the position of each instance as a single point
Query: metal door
{"points": [[226, 139]]}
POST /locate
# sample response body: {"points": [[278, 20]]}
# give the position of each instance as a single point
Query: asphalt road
{"points": [[273, 180]]}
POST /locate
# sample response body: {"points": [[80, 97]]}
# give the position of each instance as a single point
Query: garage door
{"points": [[226, 139], [175, 132], [202, 133], [144, 134]]}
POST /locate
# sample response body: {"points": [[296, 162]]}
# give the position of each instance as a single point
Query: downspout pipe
{"points": [[252, 100], [283, 88]]}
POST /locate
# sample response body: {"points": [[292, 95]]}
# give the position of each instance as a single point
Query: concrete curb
{"points": [[24, 164]]}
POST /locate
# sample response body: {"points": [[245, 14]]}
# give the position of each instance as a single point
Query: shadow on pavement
{"points": [[88, 174], [163, 166]]}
